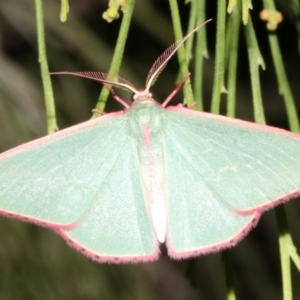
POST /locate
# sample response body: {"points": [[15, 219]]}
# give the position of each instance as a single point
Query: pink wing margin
{"points": [[106, 258], [231, 242]]}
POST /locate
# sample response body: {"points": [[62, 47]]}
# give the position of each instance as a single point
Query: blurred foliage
{"points": [[37, 264]]}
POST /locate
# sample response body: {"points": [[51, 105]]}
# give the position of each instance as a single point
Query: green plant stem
{"points": [[200, 53], [48, 91], [231, 5], [293, 253], [233, 28], [192, 24], [269, 5], [187, 89], [255, 61], [218, 86], [118, 53], [64, 10], [283, 83], [284, 239], [246, 5]]}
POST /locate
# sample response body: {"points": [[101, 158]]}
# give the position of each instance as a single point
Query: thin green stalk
{"points": [[218, 85], [231, 5], [246, 5], [200, 53], [293, 253], [284, 238], [187, 89], [48, 92], [118, 53], [192, 24], [64, 10], [233, 28], [283, 83], [255, 61]]}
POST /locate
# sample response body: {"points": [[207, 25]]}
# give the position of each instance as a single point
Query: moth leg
{"points": [[176, 90], [120, 100]]}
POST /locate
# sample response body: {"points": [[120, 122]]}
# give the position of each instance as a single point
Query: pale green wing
{"points": [[229, 171], [77, 176]]}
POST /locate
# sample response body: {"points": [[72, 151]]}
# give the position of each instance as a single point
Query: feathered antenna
{"points": [[163, 59], [105, 78]]}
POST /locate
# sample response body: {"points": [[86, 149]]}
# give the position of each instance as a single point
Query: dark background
{"points": [[37, 264]]}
